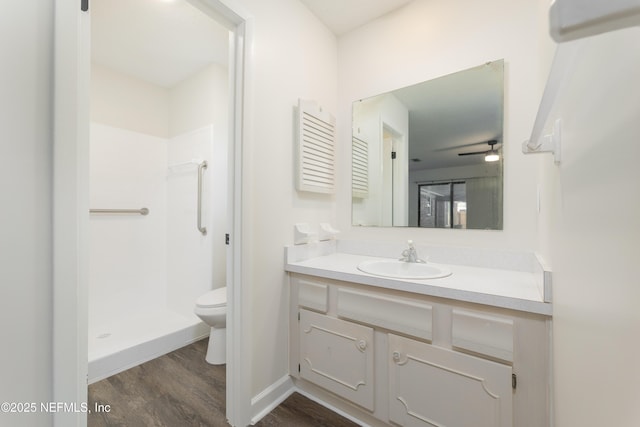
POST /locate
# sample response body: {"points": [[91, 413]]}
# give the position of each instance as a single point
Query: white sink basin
{"points": [[402, 269]]}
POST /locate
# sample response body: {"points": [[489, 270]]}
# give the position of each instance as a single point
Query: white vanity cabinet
{"points": [[390, 357]]}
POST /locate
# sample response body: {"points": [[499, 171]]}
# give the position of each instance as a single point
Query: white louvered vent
{"points": [[316, 149], [360, 168]]}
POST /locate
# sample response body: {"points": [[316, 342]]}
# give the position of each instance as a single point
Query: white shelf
{"points": [[569, 21], [574, 19]]}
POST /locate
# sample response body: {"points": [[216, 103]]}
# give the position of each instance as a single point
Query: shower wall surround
{"points": [[192, 265], [146, 271], [127, 170]]}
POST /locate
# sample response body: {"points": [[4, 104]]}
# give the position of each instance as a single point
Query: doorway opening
{"points": [[71, 219], [158, 142], [394, 177]]}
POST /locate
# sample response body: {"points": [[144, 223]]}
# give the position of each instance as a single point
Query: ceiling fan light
{"points": [[492, 156]]}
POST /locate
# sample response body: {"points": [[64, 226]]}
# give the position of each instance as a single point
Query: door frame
{"points": [[71, 83]]}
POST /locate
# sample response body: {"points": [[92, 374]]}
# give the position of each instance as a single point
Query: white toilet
{"points": [[212, 309]]}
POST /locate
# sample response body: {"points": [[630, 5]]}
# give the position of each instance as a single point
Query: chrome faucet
{"points": [[410, 254]]}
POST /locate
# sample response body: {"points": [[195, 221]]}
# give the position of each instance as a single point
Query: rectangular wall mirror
{"points": [[430, 155]]}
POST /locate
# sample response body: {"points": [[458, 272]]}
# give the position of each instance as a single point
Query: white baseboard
{"points": [[270, 398], [279, 391], [331, 407]]}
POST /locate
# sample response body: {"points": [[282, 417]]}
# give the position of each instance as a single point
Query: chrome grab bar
{"points": [[201, 167], [142, 211]]}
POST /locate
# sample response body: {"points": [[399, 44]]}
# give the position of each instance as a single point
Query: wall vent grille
{"points": [[360, 170], [316, 149]]}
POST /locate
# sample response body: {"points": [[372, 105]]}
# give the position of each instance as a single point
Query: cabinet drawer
{"points": [[313, 295], [396, 314], [483, 334], [338, 356]]}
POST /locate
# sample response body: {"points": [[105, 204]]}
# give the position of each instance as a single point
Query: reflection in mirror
{"points": [[430, 155]]}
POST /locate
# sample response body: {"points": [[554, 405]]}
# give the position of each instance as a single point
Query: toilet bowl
{"points": [[212, 309]]}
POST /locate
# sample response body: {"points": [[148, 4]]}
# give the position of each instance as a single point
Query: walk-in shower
{"points": [[158, 178], [148, 265]]}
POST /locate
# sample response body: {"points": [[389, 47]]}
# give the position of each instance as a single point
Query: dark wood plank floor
{"points": [[298, 411], [181, 389]]}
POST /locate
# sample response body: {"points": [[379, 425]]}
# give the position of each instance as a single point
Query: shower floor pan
{"points": [[116, 346]]}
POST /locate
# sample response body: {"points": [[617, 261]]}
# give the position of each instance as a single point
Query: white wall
{"points": [[26, 34], [129, 103], [199, 101], [292, 56], [590, 233], [425, 40]]}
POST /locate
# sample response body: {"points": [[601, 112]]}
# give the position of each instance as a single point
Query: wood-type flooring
{"points": [[181, 389]]}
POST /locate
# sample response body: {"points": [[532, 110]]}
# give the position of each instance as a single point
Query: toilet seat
{"points": [[214, 298]]}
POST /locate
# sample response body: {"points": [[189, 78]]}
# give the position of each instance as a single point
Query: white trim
{"points": [[70, 207], [238, 390], [330, 407], [239, 334], [271, 397]]}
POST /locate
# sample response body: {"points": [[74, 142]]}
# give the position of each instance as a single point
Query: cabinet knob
{"points": [[396, 356], [362, 345]]}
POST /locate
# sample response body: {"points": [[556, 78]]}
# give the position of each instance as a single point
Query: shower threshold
{"points": [[119, 345]]}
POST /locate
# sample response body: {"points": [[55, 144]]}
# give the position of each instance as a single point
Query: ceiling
{"points": [[342, 16], [159, 41], [165, 41]]}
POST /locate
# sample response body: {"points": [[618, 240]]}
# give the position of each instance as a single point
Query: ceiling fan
{"points": [[490, 155]]}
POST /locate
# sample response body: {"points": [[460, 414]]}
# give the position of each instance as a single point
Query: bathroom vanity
{"points": [[469, 349]]}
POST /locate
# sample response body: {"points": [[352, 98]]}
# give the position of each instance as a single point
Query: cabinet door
{"points": [[338, 356], [432, 386]]}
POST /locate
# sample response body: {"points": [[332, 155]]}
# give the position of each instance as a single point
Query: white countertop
{"points": [[510, 289]]}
